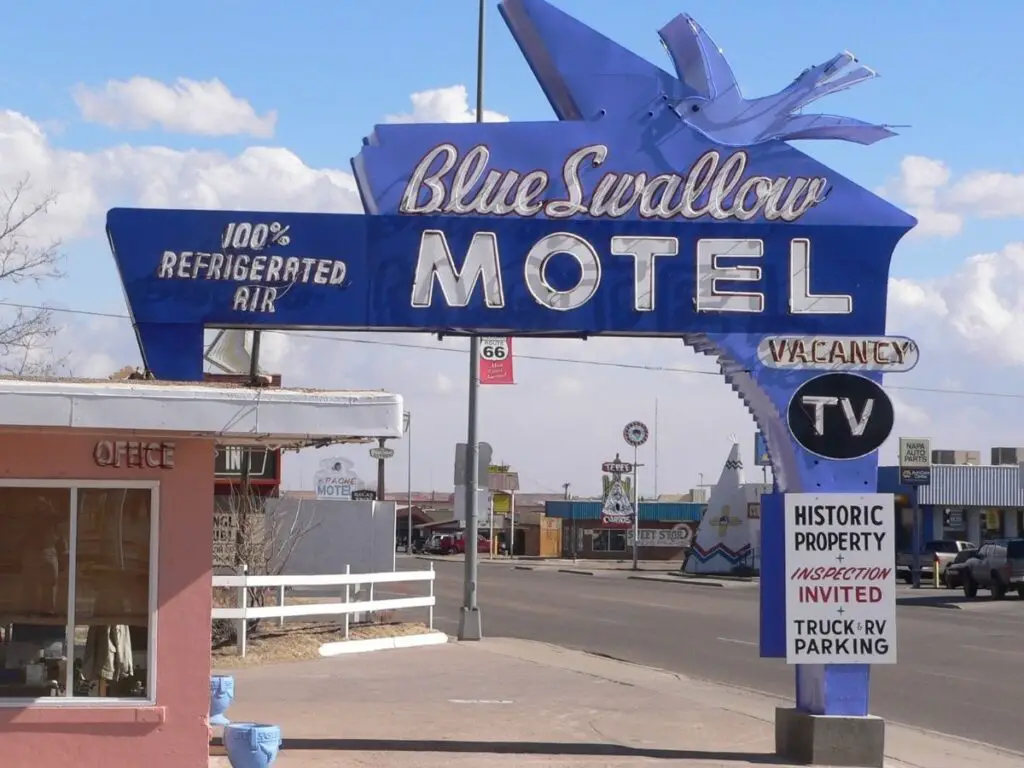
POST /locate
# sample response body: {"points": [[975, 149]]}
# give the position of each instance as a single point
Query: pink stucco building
{"points": [[106, 510]]}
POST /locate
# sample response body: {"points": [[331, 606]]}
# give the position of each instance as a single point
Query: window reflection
{"points": [[34, 543], [112, 592], [108, 568]]}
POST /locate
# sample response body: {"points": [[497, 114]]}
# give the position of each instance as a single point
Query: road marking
{"points": [[961, 678], [734, 640], [480, 701], [991, 650]]}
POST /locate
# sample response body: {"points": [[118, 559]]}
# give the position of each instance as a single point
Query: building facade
{"points": [[666, 530], [967, 502]]}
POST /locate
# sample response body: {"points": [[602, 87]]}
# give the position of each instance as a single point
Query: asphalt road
{"points": [[960, 671]]}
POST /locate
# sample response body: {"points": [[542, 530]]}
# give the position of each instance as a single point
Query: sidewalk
{"points": [[507, 702]]}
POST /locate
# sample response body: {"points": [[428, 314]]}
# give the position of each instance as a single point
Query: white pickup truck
{"points": [[939, 550]]}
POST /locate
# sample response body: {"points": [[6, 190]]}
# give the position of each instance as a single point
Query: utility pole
{"points": [[469, 615], [565, 489]]}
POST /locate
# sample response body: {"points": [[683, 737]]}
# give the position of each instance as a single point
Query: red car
{"points": [[457, 544]]}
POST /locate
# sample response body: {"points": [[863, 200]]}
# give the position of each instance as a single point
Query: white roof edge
{"points": [[234, 412]]}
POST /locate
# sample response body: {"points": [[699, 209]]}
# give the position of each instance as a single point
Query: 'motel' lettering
{"points": [[482, 264]]}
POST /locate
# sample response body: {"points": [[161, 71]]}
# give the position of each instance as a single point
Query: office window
{"points": [[75, 592]]}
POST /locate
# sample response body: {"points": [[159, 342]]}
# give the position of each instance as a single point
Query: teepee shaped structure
{"points": [[723, 539]]}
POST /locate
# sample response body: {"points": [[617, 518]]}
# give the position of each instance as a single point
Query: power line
{"points": [[538, 358]]}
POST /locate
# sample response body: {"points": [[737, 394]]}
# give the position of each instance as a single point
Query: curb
{"points": [[382, 643], [677, 580], [577, 572]]}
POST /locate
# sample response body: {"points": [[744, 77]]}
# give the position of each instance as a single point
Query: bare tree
{"points": [[265, 535], [26, 332]]}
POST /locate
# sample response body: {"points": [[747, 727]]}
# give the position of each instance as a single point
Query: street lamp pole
{"points": [[469, 615]]}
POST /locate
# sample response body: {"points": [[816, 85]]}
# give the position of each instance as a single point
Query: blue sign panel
{"points": [[191, 269], [761, 457]]}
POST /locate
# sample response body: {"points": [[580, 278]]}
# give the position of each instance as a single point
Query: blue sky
{"points": [[333, 70]]}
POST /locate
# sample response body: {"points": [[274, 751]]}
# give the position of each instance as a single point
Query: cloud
{"points": [[980, 306], [202, 108], [443, 105], [941, 203], [88, 183]]}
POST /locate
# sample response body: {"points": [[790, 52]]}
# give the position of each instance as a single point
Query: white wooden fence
{"points": [[345, 582]]}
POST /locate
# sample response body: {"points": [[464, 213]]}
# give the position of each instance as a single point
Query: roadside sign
{"points": [[335, 480], [381, 453], [617, 509], [483, 465], [364, 494], [840, 416], [761, 457], [496, 365], [840, 578], [680, 537], [617, 467], [635, 433], [915, 461], [888, 354]]}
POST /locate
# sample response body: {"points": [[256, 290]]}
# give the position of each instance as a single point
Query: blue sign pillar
{"points": [[658, 204]]}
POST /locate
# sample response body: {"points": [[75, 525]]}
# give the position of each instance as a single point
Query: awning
{"points": [[233, 414]]}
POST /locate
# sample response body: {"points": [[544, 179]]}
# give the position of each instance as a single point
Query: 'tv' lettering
{"points": [[856, 423]]}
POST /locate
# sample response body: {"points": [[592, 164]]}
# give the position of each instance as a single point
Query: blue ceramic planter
{"points": [[222, 693], [250, 745]]}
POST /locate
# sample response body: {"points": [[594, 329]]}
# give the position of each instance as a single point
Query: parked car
{"points": [[998, 567], [953, 575], [942, 551], [438, 544], [483, 544]]}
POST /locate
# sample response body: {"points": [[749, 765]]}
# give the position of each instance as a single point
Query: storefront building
{"points": [[666, 530], [967, 502], [106, 523]]}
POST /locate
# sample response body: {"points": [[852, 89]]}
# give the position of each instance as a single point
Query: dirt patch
{"points": [[301, 641]]}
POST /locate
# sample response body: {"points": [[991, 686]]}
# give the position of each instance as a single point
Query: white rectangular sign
{"points": [[225, 529], [840, 578], [839, 353], [915, 452], [662, 537]]}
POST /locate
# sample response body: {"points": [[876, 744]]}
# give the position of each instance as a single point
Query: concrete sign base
{"points": [[807, 739]]}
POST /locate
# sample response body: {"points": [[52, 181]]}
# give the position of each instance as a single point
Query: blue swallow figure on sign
{"points": [[718, 110], [573, 64]]}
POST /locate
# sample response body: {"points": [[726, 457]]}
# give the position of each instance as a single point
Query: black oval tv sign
{"points": [[840, 416]]}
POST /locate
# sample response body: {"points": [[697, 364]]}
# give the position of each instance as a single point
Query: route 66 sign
{"points": [[496, 360]]}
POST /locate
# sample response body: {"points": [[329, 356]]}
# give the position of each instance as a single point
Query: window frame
{"points": [[73, 486]]}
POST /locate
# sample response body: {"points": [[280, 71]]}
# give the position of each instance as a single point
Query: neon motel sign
{"points": [[667, 206]]}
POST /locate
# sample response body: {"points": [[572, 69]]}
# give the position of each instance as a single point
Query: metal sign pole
{"points": [[380, 471], [636, 511], [916, 565], [408, 509], [469, 616], [512, 525]]}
